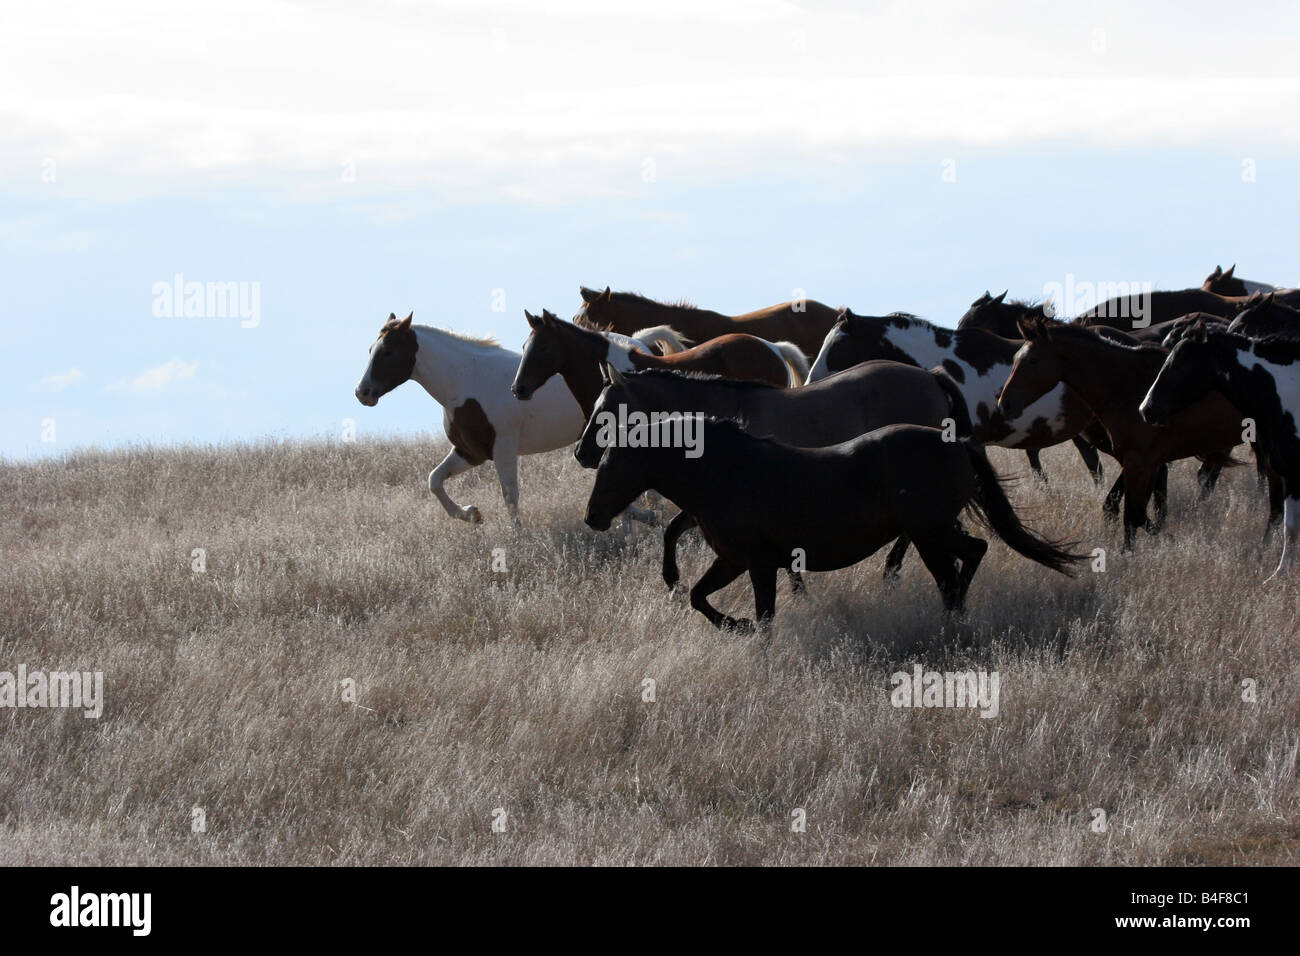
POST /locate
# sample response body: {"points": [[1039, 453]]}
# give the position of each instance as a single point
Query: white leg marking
{"points": [[452, 466]]}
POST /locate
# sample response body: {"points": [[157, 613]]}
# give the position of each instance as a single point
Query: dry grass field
{"points": [[523, 689]]}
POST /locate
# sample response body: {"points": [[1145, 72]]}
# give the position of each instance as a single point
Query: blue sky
{"points": [[421, 157]]}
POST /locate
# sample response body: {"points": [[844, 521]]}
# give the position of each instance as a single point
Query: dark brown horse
{"points": [[848, 404], [1264, 315], [763, 505], [1113, 379], [557, 347], [804, 322]]}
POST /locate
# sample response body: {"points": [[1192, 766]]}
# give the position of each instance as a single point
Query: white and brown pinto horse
{"points": [[470, 378]]}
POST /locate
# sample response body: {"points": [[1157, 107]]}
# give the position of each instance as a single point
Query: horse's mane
{"points": [[646, 300], [487, 341], [1089, 333], [1276, 343]]}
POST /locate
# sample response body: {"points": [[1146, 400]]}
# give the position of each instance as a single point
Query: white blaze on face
{"points": [[365, 390], [821, 367]]}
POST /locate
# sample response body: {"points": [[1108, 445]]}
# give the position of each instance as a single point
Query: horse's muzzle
{"points": [[521, 392], [367, 396]]}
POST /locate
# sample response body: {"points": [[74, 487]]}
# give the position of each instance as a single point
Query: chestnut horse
{"points": [[1113, 378], [761, 504], [1262, 380], [556, 347], [804, 322]]}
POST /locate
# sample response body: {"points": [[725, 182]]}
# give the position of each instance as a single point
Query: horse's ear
{"points": [[605, 296], [1197, 332], [533, 321], [1228, 274], [587, 294], [615, 376], [1028, 331], [549, 317], [406, 322], [1002, 296], [392, 316]]}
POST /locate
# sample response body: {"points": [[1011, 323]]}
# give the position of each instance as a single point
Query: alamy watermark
{"points": [[83, 690], [637, 429], [956, 689], [1123, 300], [179, 299]]}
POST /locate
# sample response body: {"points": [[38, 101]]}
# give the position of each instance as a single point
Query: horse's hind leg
{"points": [[720, 574], [1276, 489], [894, 563], [453, 465], [970, 550], [1091, 457], [941, 562], [680, 524]]}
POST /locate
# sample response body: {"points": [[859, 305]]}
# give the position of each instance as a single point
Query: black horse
{"points": [[763, 506]]}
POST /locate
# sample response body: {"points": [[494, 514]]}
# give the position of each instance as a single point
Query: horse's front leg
{"points": [[681, 523], [763, 580], [720, 574], [451, 466], [1137, 490], [505, 455]]}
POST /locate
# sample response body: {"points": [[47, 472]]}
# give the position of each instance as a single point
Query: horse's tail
{"points": [[664, 336], [991, 506], [956, 401], [796, 363]]}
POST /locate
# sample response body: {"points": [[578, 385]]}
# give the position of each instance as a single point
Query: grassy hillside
{"points": [[522, 689]]}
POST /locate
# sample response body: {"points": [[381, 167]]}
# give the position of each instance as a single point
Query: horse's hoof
{"points": [[473, 515], [741, 625]]}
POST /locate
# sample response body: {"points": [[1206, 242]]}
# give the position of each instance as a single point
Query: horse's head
{"points": [[601, 431], [594, 311], [1037, 368], [543, 354], [852, 339], [1189, 372], [1224, 283], [993, 313], [392, 359]]}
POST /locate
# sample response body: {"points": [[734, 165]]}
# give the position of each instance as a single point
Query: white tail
{"points": [[796, 363], [663, 336]]}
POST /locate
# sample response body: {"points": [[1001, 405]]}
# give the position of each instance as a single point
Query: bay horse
{"points": [[762, 504], [1112, 378], [803, 322], [845, 405], [576, 354], [470, 378], [977, 361], [1261, 378]]}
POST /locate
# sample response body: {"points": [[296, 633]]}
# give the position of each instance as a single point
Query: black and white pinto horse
{"points": [[978, 361], [1261, 377]]}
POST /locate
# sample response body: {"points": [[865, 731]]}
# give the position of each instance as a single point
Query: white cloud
{"points": [[61, 380], [160, 377], [567, 99]]}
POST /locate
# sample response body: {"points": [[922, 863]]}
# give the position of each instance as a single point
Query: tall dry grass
{"points": [[522, 689]]}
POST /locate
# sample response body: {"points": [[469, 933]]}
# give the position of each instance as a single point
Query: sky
{"points": [[327, 163]]}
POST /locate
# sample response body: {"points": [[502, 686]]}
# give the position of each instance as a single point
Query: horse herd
{"points": [[822, 435]]}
